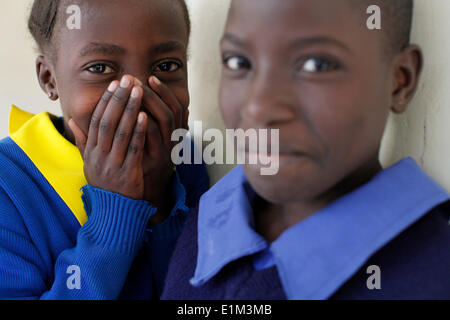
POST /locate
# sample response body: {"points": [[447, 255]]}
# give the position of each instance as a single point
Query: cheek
{"points": [[181, 93], [80, 104], [352, 124], [231, 100]]}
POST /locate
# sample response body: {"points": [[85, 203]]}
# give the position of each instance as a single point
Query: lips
{"points": [[283, 143], [282, 152]]}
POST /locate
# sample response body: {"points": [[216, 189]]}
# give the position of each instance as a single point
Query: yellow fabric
{"points": [[56, 158]]}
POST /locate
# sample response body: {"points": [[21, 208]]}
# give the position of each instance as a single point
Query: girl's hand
{"points": [[165, 114], [114, 148], [165, 109]]}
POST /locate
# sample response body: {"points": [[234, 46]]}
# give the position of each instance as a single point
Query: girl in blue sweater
{"points": [[100, 223]]}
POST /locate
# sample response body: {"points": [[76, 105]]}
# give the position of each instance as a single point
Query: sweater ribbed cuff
{"points": [[115, 221]]}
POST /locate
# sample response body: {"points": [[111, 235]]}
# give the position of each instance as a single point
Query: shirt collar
{"points": [[58, 160], [318, 255], [225, 226]]}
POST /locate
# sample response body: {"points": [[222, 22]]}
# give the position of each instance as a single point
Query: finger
{"points": [[155, 146], [113, 114], [169, 98], [161, 113], [135, 151], [137, 82], [126, 125], [80, 137], [98, 113]]}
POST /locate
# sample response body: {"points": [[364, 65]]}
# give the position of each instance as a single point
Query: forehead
{"points": [[283, 21], [131, 21]]}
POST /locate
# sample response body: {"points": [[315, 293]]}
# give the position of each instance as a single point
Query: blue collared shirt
{"points": [[318, 255]]}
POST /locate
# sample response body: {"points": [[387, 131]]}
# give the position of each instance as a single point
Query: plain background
{"points": [[423, 132]]}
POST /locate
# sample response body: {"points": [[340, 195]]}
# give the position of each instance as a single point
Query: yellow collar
{"points": [[56, 158]]}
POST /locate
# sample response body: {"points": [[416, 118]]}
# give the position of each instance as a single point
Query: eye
{"points": [[100, 69], [168, 66], [236, 63], [314, 65]]}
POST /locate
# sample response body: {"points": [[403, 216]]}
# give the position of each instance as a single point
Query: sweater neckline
{"points": [[58, 160]]}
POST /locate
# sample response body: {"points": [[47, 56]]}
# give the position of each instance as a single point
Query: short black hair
{"points": [[396, 17], [44, 16]]}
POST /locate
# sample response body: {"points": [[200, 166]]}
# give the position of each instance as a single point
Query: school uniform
{"points": [[61, 238], [388, 239]]}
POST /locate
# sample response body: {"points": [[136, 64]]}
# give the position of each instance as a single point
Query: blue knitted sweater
{"points": [[416, 265], [57, 242]]}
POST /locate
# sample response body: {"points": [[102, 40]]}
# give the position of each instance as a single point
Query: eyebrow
{"points": [[111, 49], [298, 43], [103, 48], [308, 42], [166, 47], [232, 38]]}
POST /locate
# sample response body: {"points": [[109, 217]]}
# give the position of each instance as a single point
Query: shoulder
{"points": [[24, 192], [15, 172], [14, 164], [11, 155], [16, 168], [414, 265], [7, 146], [424, 244], [12, 221]]}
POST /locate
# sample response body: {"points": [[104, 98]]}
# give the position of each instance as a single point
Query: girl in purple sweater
{"points": [[332, 223]]}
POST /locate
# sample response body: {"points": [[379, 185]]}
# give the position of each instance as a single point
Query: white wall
{"points": [[18, 84], [423, 132], [208, 20]]}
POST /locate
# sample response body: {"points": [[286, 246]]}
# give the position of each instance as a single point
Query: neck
{"points": [[68, 134], [271, 220]]}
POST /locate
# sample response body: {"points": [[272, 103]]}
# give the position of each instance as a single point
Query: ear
{"points": [[46, 77], [407, 70]]}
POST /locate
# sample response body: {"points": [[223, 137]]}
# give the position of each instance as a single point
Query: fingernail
{"points": [[113, 86], [125, 83], [135, 92], [137, 81], [156, 80], [141, 117]]}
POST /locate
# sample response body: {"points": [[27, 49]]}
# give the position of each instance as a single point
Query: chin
{"points": [[285, 186]]}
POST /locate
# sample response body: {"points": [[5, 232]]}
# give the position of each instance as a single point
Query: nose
{"points": [[137, 69], [138, 80], [269, 101], [141, 79]]}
